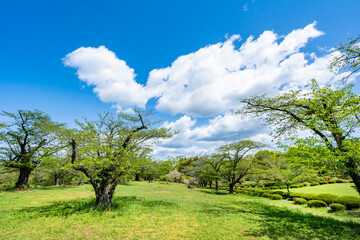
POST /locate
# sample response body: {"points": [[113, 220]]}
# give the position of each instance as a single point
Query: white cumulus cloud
{"points": [[113, 80]]}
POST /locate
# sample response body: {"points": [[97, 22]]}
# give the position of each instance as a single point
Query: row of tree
{"points": [[107, 149]]}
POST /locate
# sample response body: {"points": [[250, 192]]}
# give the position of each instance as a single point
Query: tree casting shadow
{"points": [[282, 223], [120, 206]]}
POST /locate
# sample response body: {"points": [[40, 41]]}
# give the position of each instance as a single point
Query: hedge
{"points": [[275, 196], [316, 203], [314, 183], [349, 201], [337, 207], [300, 201], [327, 197]]}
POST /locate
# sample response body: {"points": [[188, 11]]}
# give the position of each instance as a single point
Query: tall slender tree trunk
{"points": [[57, 179], [217, 185], [210, 184], [23, 179]]}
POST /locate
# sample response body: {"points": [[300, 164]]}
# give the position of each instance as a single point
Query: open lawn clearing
{"points": [[162, 211], [339, 189]]}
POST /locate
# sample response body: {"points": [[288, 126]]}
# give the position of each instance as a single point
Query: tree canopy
{"points": [[331, 115]]}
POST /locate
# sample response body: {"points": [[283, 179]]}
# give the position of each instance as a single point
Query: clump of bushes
{"points": [[316, 203], [300, 201], [323, 182], [274, 187], [337, 207], [275, 196], [331, 181], [349, 201], [314, 183], [327, 197]]}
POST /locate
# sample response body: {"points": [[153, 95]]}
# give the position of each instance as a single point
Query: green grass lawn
{"points": [[340, 189], [162, 211]]}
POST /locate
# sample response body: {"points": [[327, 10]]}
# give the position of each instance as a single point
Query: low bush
{"points": [[327, 197], [339, 181], [323, 182], [349, 201], [331, 181], [7, 186], [274, 187], [300, 201], [337, 207], [277, 192], [316, 203], [314, 183], [294, 186], [275, 196]]}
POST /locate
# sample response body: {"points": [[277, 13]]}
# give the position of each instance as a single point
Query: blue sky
{"points": [[140, 37]]}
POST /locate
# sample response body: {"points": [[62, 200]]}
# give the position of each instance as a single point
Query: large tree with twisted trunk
{"points": [[332, 115], [106, 149], [27, 138]]}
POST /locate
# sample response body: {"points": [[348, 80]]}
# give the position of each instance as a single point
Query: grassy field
{"points": [[340, 189], [162, 211]]}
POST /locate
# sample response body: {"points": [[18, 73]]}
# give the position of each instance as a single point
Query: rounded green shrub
{"points": [[349, 201], [323, 182], [294, 186], [331, 181], [300, 201], [277, 192], [339, 181], [274, 187], [316, 203], [327, 197], [276, 196], [314, 183], [337, 207]]}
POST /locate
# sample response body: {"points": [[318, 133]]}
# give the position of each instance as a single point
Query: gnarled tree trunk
{"points": [[23, 179], [104, 196], [231, 188], [217, 185]]}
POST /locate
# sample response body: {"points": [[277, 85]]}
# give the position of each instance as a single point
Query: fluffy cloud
{"points": [[208, 83], [195, 140], [113, 80], [211, 80]]}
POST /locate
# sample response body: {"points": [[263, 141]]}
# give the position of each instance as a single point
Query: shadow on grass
{"points": [[283, 223], [214, 192], [121, 205]]}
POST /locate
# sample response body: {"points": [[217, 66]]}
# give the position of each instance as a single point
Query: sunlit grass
{"points": [[340, 189], [164, 211]]}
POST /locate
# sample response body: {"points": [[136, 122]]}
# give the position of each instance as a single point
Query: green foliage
{"points": [[349, 201], [337, 207], [300, 201], [275, 196], [327, 197], [316, 203], [114, 145], [332, 181], [323, 182], [7, 186], [348, 59], [331, 115], [236, 164], [26, 139], [314, 183]]}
